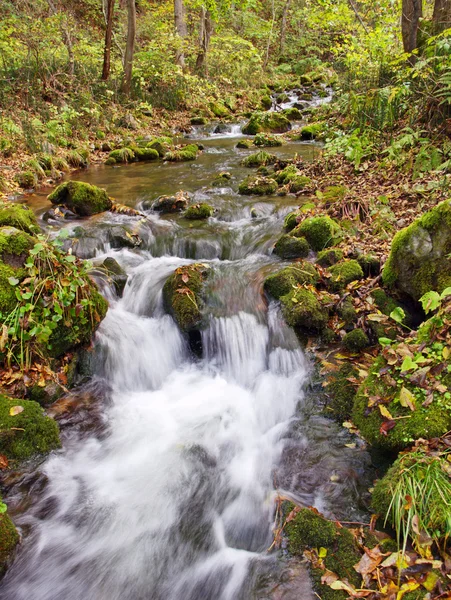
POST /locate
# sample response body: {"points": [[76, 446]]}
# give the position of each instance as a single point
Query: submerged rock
{"points": [[419, 256], [81, 198]]}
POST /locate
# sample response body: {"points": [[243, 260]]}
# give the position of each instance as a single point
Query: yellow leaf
{"points": [[385, 412], [15, 410], [431, 581], [341, 585], [406, 398], [446, 352], [322, 552]]}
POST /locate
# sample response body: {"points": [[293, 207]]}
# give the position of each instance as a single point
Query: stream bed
{"points": [[166, 484]]}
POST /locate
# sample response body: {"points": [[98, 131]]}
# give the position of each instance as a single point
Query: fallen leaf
{"points": [[407, 399], [15, 410]]}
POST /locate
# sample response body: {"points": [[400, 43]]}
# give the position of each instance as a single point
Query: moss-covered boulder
{"points": [[186, 153], [283, 282], [320, 232], [259, 159], [81, 198], [311, 531], [343, 273], [291, 220], [27, 179], [270, 122], [265, 140], [171, 204], [312, 131], [329, 257], [121, 155], [346, 311], [9, 538], [25, 430], [19, 216], [341, 392], [419, 256], [303, 311], [219, 109], [356, 340], [114, 274], [293, 114], [14, 248], [245, 144], [183, 295], [406, 394], [288, 247], [222, 179], [258, 186], [198, 211], [198, 120], [286, 174], [144, 154], [370, 264]]}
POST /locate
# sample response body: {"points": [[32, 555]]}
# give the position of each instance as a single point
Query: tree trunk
{"points": [[206, 28], [412, 11], [442, 15], [283, 26], [130, 47], [181, 30], [108, 37]]}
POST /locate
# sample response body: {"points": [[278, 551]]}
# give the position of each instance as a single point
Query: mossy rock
{"points": [[198, 211], [419, 256], [329, 257], [309, 530], [343, 273], [356, 340], [283, 282], [258, 186], [184, 154], [266, 102], [9, 538], [288, 247], [291, 220], [115, 274], [293, 114], [183, 295], [287, 174], [259, 159], [198, 120], [347, 312], [81, 198], [424, 422], [299, 183], [245, 144], [144, 154], [19, 216], [385, 303], [265, 140], [304, 312], [270, 122], [14, 248], [370, 264], [342, 392], [320, 232], [219, 110], [222, 179], [171, 204], [27, 179], [121, 155], [28, 432], [312, 131]]}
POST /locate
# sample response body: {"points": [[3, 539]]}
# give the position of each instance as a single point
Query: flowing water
{"points": [[165, 487]]}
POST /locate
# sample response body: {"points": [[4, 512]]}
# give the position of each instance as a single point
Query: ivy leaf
{"points": [[398, 315]]}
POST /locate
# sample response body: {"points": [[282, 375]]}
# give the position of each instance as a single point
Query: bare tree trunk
{"points": [[108, 37], [181, 29], [412, 11], [206, 29], [283, 26], [442, 15], [130, 46]]}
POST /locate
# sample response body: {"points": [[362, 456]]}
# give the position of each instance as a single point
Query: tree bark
{"points": [[283, 26], [442, 15], [130, 47], [412, 11], [181, 30], [206, 28], [108, 37]]}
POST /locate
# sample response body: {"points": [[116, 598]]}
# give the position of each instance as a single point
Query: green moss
{"points": [[221, 180], [259, 186], [313, 131], [143, 154], [342, 392], [283, 282], [198, 211], [419, 255], [266, 140], [344, 272], [424, 422], [77, 158], [298, 183], [186, 153], [245, 144], [182, 295], [332, 193], [290, 221], [122, 155], [303, 311], [293, 114], [27, 433], [383, 301], [27, 179], [9, 538], [198, 121], [318, 231], [287, 174], [34, 165], [370, 264], [259, 159], [18, 216], [219, 110], [82, 198], [270, 122], [110, 161], [266, 102], [311, 531], [288, 247], [347, 312], [14, 247], [329, 257], [356, 340]]}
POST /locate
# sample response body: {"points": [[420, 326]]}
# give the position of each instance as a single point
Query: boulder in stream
{"points": [[419, 259], [270, 122], [198, 211], [259, 159], [81, 198], [171, 204], [258, 186], [115, 274], [185, 153], [320, 232], [288, 247]]}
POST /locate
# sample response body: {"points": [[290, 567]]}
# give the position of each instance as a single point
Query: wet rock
{"points": [[115, 274], [222, 128], [259, 186], [222, 179], [270, 122], [59, 213], [419, 256], [288, 247], [183, 154], [171, 204], [283, 282], [244, 144], [81, 198], [198, 211], [259, 159], [122, 238], [198, 121]]}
